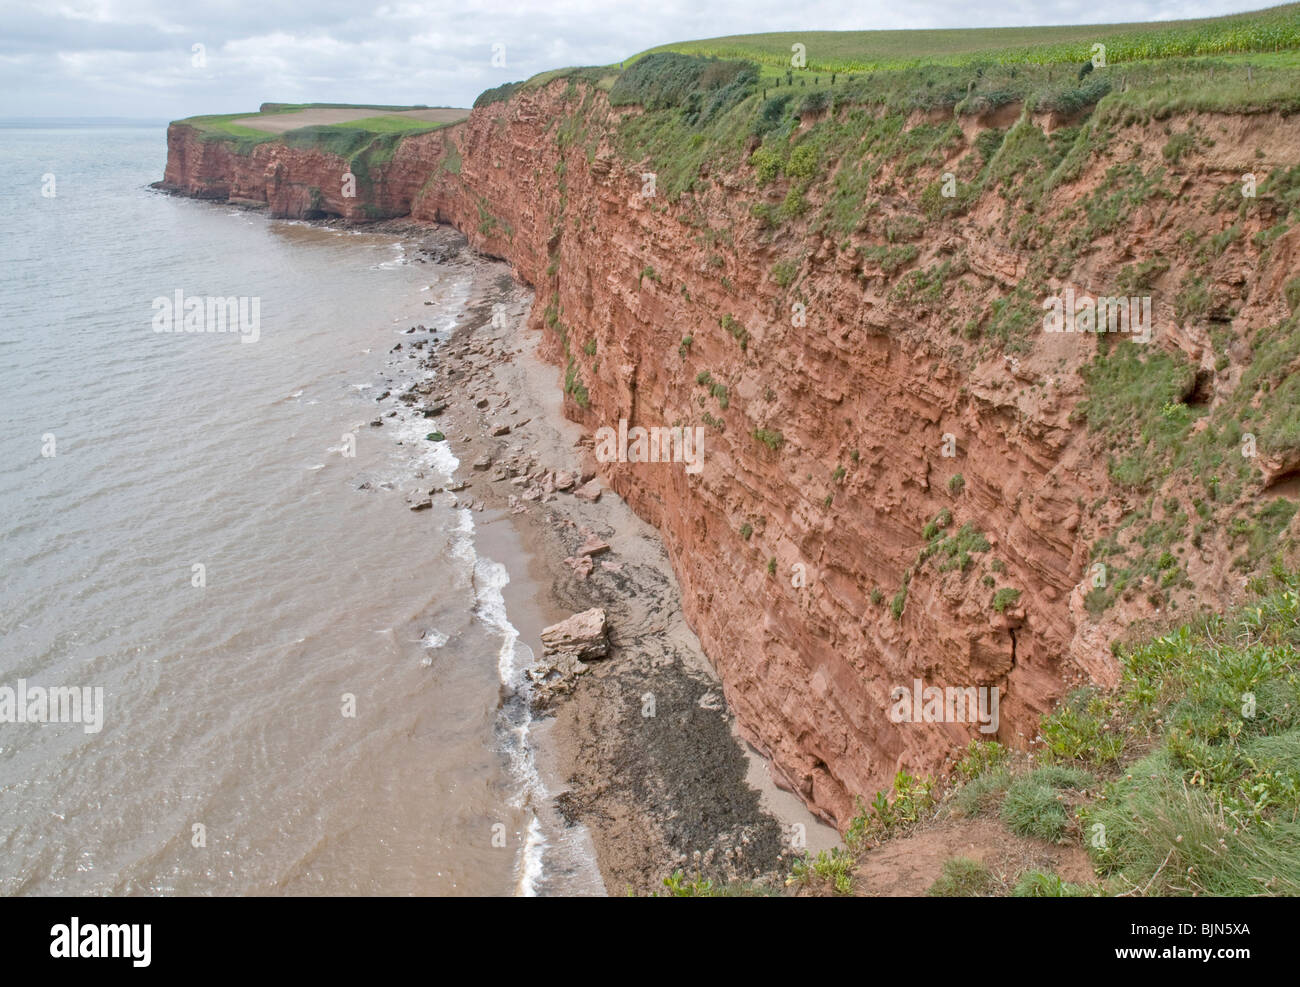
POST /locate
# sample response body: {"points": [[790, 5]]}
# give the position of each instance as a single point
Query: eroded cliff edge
{"points": [[831, 549]]}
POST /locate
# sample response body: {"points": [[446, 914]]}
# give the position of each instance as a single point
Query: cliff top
{"points": [[1268, 30]]}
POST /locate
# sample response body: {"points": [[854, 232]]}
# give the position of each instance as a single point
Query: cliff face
{"points": [[297, 182], [841, 416]]}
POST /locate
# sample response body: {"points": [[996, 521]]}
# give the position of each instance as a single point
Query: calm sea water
{"points": [[226, 763]]}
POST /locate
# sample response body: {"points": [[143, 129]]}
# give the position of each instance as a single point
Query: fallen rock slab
{"points": [[583, 636]]}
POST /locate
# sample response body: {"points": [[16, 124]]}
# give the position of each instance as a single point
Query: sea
{"points": [[304, 688]]}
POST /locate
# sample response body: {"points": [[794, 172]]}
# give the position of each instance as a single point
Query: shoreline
{"points": [[639, 750]]}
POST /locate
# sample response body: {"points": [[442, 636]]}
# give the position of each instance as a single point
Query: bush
{"points": [[815, 102], [680, 887], [1177, 146], [770, 114], [701, 87], [913, 797], [832, 866], [803, 161], [980, 756], [1004, 598], [1040, 884], [961, 878], [1035, 805], [766, 164], [498, 94], [897, 604], [984, 793], [1078, 730], [1292, 293], [936, 524]]}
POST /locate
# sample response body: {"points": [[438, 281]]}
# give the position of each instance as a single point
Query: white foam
{"points": [[490, 578], [531, 868]]}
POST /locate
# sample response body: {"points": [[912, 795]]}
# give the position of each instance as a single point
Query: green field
{"points": [[1271, 30], [374, 137], [387, 125]]}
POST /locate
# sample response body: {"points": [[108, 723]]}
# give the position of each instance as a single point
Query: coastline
{"points": [[675, 789]]}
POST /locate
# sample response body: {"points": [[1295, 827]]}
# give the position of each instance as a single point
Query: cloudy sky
{"points": [[137, 58]]}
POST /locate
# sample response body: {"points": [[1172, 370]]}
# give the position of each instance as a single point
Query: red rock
{"points": [[808, 669]]}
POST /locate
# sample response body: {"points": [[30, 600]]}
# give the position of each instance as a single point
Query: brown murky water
{"points": [[227, 762]]}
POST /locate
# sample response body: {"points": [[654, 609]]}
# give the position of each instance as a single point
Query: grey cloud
{"points": [[134, 60]]}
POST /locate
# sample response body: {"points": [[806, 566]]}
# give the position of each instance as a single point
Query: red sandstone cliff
{"points": [[863, 393]]}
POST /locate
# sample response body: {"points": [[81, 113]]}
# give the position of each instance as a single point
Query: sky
{"points": [[138, 58]]}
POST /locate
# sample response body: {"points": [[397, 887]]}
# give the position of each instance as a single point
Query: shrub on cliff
{"points": [[815, 102], [701, 87], [1036, 806], [771, 114], [913, 800], [497, 94], [962, 877]]}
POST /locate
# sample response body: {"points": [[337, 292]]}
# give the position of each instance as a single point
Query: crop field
{"points": [[361, 117], [1272, 30]]}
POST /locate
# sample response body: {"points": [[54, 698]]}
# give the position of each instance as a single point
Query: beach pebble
{"points": [[581, 564]]}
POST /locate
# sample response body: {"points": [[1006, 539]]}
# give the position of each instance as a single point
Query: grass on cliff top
{"points": [[364, 143], [1211, 714], [292, 107], [1268, 30], [386, 125], [344, 138], [220, 127]]}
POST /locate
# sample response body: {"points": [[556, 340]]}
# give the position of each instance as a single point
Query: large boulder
{"points": [[582, 636]]}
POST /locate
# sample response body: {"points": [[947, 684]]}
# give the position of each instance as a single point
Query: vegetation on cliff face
{"points": [[699, 88], [836, 160]]}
